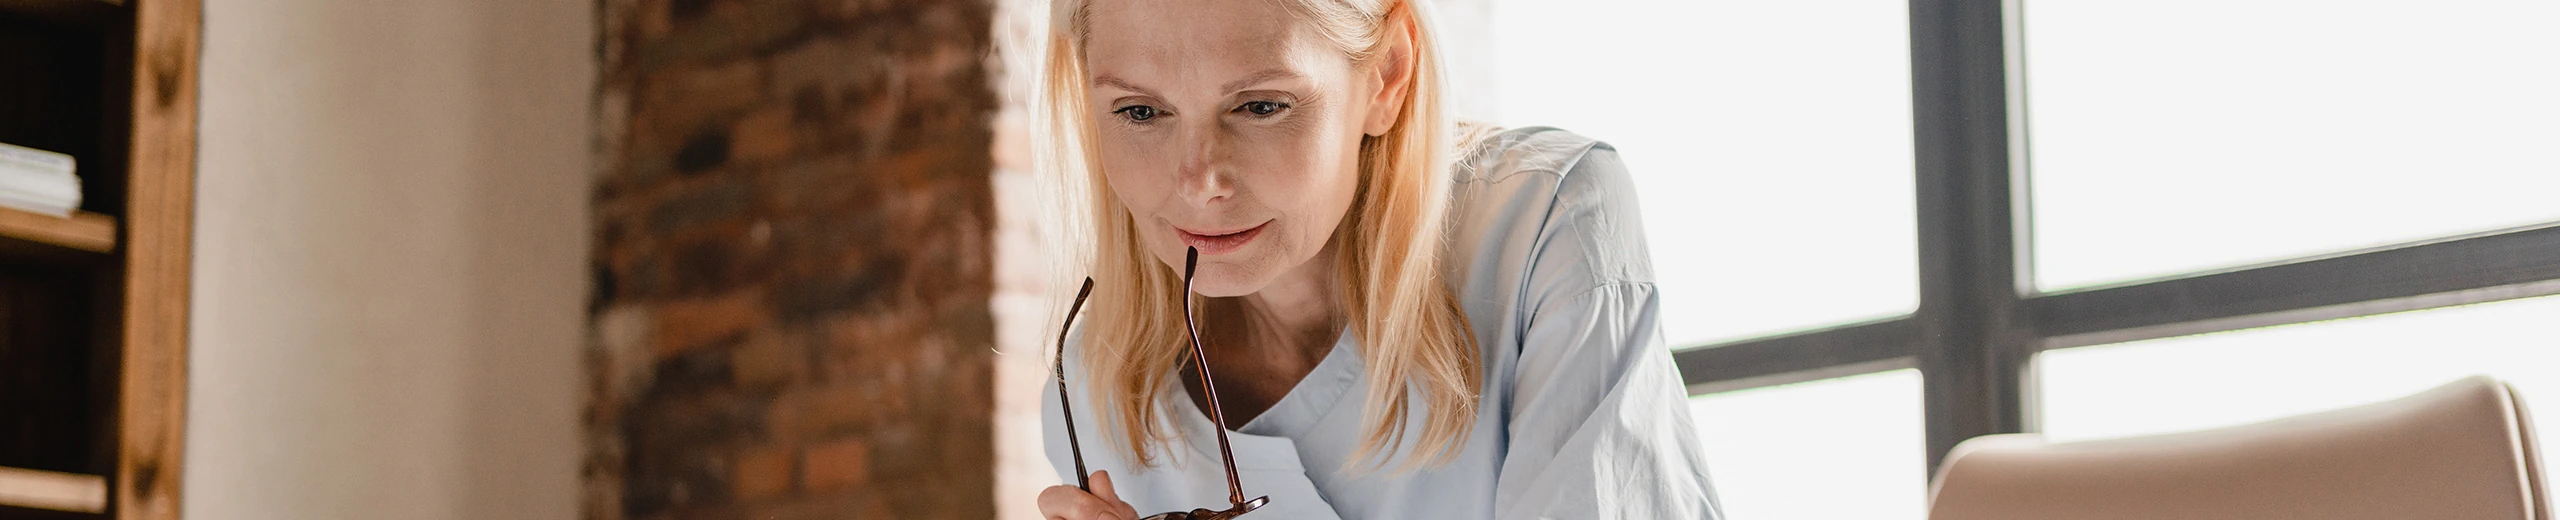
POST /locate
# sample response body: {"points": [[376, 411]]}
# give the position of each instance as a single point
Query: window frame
{"points": [[1981, 321]]}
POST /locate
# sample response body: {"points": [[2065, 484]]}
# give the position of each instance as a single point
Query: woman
{"points": [[1397, 324]]}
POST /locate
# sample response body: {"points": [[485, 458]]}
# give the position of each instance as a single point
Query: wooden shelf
{"points": [[59, 5], [84, 231], [53, 490], [80, 13]]}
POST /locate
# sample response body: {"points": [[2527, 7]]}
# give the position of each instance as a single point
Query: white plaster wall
{"points": [[390, 259]]}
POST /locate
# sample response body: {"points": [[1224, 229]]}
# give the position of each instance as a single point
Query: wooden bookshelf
{"points": [[93, 307], [83, 231]]}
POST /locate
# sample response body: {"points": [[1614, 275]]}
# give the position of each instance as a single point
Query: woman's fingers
{"points": [[1102, 489], [1069, 503], [1102, 486]]}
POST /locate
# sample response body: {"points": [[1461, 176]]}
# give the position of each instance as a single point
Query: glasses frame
{"points": [[1237, 505]]}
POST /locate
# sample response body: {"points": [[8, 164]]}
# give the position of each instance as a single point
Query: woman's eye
{"points": [[1137, 113], [1263, 108]]}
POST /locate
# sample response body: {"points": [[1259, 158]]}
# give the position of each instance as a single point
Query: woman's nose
{"points": [[1205, 176]]}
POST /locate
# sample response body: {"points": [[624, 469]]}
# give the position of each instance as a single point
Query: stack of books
{"points": [[38, 181]]}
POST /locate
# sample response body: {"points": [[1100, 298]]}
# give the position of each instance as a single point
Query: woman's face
{"points": [[1225, 126]]}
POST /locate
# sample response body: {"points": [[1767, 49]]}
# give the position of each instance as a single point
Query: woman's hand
{"points": [[1069, 503]]}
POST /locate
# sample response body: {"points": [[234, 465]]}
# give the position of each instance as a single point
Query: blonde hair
{"points": [[1412, 334]]}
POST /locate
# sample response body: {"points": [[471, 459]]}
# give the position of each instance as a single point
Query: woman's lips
{"points": [[1211, 244]]}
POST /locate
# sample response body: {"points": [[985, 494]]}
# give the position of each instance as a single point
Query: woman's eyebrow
{"points": [[1256, 78], [1122, 85], [1265, 75]]}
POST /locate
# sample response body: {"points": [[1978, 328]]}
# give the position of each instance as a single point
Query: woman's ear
{"points": [[1393, 70]]}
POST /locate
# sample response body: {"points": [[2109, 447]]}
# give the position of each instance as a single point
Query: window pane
{"points": [[2173, 136], [1771, 141], [2215, 380], [1838, 448]]}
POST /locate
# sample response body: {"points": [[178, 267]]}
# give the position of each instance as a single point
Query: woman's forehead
{"points": [[1197, 44]]}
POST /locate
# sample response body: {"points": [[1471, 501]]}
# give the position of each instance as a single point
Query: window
{"points": [[1792, 451], [2123, 184], [2165, 143]]}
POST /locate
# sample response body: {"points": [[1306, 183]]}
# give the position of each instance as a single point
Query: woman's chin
{"points": [[1227, 281], [1215, 286]]}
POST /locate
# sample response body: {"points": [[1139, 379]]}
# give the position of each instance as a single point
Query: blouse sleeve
{"points": [[1599, 423]]}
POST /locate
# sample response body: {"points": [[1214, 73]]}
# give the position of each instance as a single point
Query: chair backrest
{"points": [[2464, 450]]}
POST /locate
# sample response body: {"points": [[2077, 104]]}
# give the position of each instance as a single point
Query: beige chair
{"points": [[2460, 451]]}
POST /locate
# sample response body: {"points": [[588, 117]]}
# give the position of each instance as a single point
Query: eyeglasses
{"points": [[1235, 488]]}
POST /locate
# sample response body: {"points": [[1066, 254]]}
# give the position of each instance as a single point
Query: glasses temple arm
{"points": [[1217, 414], [1083, 482]]}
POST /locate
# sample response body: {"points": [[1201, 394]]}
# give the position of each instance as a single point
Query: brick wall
{"points": [[793, 214]]}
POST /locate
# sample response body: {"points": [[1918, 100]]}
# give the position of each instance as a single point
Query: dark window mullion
{"points": [[1821, 354], [1974, 349], [2513, 263]]}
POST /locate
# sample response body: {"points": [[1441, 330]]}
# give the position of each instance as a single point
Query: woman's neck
{"points": [[1263, 343], [1293, 321], [1308, 296]]}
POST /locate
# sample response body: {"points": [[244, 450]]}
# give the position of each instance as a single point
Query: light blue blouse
{"points": [[1583, 417]]}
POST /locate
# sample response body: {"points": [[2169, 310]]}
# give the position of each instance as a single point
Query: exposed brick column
{"points": [[1027, 302], [793, 261]]}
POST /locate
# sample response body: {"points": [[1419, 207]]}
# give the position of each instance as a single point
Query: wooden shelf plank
{"points": [[81, 13], [59, 4], [83, 231], [53, 490]]}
